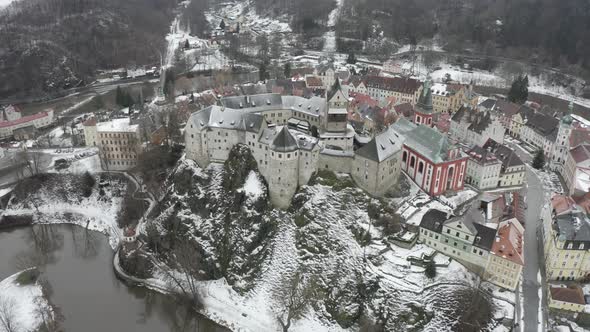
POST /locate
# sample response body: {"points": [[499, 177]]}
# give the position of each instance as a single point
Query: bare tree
{"points": [[294, 298], [8, 318], [186, 258]]}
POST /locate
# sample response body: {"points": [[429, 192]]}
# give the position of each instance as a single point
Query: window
{"points": [[448, 231]]}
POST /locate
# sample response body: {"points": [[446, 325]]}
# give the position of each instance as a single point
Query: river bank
{"points": [[77, 264]]}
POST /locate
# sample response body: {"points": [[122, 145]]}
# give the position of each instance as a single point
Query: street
{"points": [[532, 246]]}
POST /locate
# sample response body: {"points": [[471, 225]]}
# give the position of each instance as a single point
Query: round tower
{"points": [[284, 168]]}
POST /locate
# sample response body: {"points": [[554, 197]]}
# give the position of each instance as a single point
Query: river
{"points": [[78, 266]]}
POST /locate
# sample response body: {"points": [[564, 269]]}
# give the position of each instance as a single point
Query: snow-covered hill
{"points": [[334, 234]]}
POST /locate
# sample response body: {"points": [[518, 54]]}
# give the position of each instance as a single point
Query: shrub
{"points": [[28, 277], [430, 269]]}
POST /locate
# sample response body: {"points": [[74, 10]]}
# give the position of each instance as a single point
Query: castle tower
{"points": [[562, 142], [284, 168], [337, 117]]}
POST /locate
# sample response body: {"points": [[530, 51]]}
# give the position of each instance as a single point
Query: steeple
{"points": [[567, 118], [425, 101]]}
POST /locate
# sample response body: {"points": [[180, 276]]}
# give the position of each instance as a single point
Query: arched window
{"points": [[404, 156], [412, 161], [420, 167]]}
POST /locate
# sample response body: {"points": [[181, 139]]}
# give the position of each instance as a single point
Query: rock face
{"points": [[226, 211]]}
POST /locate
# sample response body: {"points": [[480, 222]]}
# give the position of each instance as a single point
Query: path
{"points": [[330, 35]]}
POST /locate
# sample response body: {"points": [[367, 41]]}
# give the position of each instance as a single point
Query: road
{"points": [[94, 88], [533, 247]]}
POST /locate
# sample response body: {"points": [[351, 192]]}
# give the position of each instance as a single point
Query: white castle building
{"points": [[291, 138]]}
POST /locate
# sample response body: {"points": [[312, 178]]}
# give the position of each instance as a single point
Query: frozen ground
{"points": [[21, 304]]}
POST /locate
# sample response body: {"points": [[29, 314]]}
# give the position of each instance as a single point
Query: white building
{"points": [[11, 119], [540, 131], [561, 147], [475, 127], [488, 247], [483, 168], [280, 130], [119, 144]]}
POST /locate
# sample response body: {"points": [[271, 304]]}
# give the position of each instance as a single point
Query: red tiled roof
{"points": [[580, 153], [583, 201], [24, 119], [398, 84], [579, 136], [508, 242], [405, 109], [507, 108], [313, 81], [90, 122], [561, 203], [572, 294]]}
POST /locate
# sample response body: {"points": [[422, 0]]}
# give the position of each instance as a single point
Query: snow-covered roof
{"points": [[122, 125], [439, 89]]}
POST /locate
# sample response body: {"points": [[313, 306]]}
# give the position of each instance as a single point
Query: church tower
{"points": [[424, 114], [562, 142]]}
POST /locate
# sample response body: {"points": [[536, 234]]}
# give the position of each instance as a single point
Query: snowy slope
{"points": [[23, 303]]}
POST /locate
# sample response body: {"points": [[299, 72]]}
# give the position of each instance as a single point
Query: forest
{"points": [[553, 32], [47, 45]]}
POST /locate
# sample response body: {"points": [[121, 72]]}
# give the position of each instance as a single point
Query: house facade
{"points": [[491, 248], [11, 120], [119, 144], [405, 90], [566, 236], [576, 171], [475, 127], [540, 131], [571, 298], [483, 168], [506, 259], [513, 169]]}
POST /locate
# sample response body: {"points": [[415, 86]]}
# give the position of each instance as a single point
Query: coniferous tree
{"points": [[539, 160], [222, 25], [262, 72], [351, 58], [287, 69], [187, 45], [519, 91], [119, 97]]}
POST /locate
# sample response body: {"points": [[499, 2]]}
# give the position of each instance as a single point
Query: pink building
{"points": [[436, 165]]}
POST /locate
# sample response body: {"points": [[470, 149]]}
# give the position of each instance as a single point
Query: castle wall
{"points": [[220, 142], [308, 164], [335, 163]]}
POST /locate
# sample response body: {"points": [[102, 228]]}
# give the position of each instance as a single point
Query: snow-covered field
{"points": [[20, 304]]}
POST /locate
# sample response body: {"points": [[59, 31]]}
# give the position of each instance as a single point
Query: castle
{"points": [[292, 137]]}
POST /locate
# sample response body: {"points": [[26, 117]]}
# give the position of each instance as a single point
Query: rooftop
{"points": [[572, 294], [508, 243], [117, 125], [382, 146], [425, 140]]}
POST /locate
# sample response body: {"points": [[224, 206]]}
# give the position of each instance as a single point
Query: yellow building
{"points": [[566, 298], [450, 97], [566, 236], [506, 259]]}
